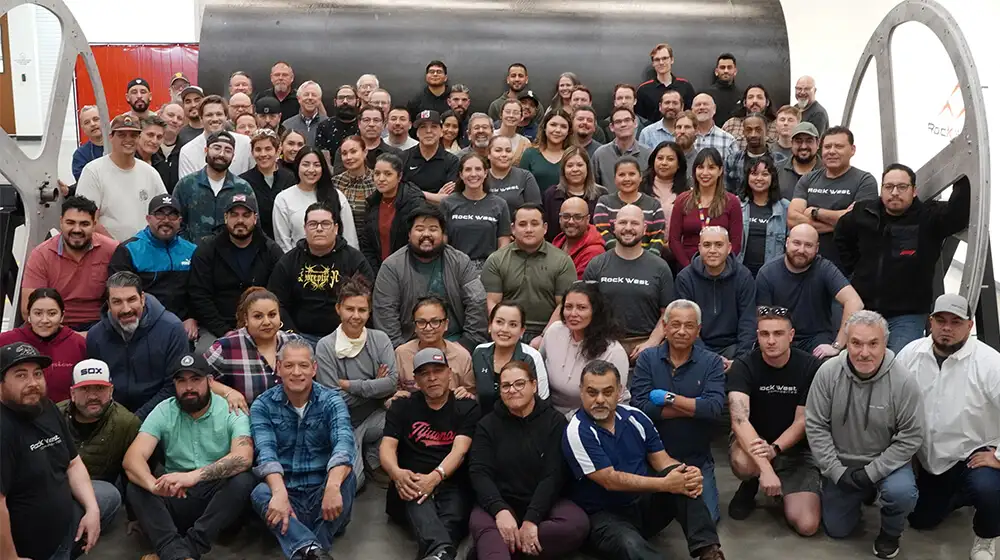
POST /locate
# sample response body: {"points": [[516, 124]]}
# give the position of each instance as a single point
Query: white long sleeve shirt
{"points": [[289, 217], [961, 401]]}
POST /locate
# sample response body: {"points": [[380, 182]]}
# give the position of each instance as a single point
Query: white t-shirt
{"points": [[216, 185], [192, 158], [300, 410], [121, 195], [290, 217]]}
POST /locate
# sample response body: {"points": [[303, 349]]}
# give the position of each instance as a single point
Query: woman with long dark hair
{"points": [[586, 331], [628, 175], [43, 328], [384, 229], [315, 184], [576, 178], [665, 179], [478, 221], [506, 329], [291, 142], [451, 127], [765, 215], [543, 159], [707, 203], [356, 181]]}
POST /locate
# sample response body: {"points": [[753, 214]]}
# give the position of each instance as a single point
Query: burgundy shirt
{"points": [[685, 227]]}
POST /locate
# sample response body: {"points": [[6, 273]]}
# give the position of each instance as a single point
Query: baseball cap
{"points": [[805, 128], [267, 106], [195, 363], [125, 122], [247, 201], [192, 89], [179, 76], [221, 136], [163, 201], [91, 372], [428, 356], [137, 82], [952, 303], [427, 117], [528, 94], [20, 352]]}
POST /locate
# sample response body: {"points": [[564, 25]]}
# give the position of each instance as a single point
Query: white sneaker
{"points": [[983, 549]]}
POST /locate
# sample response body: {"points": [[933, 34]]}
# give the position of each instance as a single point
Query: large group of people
{"points": [[528, 325]]}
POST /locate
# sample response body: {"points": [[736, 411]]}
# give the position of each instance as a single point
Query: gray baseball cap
{"points": [[428, 356], [805, 128], [952, 303]]}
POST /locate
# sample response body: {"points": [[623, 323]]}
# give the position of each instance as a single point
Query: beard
{"points": [[93, 415], [803, 161], [347, 113], [246, 233], [76, 243], [139, 105], [192, 403], [27, 411], [631, 242], [431, 254], [218, 163], [949, 349]]}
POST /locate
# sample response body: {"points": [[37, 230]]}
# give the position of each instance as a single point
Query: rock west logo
{"points": [[950, 119]]}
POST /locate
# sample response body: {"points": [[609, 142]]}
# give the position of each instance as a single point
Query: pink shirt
{"points": [[81, 284], [564, 363]]}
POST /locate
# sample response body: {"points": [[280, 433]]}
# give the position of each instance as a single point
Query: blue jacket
{"points": [[83, 155], [727, 301], [163, 267], [700, 378], [777, 229], [303, 449], [140, 367]]}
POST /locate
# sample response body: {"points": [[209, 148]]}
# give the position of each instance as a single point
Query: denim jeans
{"points": [[109, 500], [308, 526], [955, 488], [904, 329], [897, 496], [710, 490]]}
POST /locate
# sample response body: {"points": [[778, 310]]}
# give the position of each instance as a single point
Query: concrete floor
{"points": [[761, 537]]}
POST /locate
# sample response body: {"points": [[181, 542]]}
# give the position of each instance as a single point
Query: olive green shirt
{"points": [[534, 280]]}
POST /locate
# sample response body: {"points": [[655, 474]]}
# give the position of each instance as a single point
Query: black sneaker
{"points": [[885, 546], [314, 552], [744, 502]]}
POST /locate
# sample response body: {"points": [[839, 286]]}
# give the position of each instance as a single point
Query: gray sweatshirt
{"points": [[367, 391], [876, 423]]}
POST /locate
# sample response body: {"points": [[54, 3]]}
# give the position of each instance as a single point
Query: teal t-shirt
{"points": [[434, 272], [190, 444]]}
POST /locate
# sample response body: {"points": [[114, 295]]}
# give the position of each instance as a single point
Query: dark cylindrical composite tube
{"points": [[604, 43]]}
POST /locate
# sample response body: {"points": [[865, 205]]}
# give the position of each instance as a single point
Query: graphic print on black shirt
{"points": [[426, 435]]}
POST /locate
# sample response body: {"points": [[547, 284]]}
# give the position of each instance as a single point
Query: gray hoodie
{"points": [[876, 423]]}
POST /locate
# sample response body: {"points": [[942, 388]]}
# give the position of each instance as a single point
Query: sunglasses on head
{"points": [[772, 311]]}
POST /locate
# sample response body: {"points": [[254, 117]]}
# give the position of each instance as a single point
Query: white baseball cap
{"points": [[91, 372]]}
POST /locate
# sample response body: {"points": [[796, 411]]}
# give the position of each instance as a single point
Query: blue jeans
{"points": [[109, 500], [904, 329], [308, 526], [710, 490], [955, 488], [897, 496]]}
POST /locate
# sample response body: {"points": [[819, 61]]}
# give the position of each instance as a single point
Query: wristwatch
{"points": [[776, 448], [815, 213], [836, 346], [669, 398], [440, 471]]}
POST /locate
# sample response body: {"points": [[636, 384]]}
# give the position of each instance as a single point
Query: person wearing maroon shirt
{"points": [[707, 203]]}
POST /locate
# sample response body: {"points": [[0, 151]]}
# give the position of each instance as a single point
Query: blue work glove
{"points": [[658, 397]]}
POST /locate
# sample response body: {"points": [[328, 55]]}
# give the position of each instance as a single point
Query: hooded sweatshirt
{"points": [[727, 301], [516, 463], [875, 423], [66, 348], [307, 285], [140, 366], [591, 245]]}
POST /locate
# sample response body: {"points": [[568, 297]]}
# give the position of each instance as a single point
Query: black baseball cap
{"points": [[267, 105], [19, 353], [247, 201], [161, 201], [528, 94], [194, 363], [221, 136], [427, 116], [137, 82]]}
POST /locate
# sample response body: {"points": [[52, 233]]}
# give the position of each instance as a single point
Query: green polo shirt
{"points": [[532, 279], [190, 444]]}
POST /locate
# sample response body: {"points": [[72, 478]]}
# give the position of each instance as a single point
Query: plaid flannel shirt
{"points": [[239, 365]]}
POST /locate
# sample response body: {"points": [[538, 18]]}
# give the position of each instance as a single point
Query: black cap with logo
{"points": [[19, 353]]}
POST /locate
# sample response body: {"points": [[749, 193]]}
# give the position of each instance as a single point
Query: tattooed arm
{"points": [[746, 436], [239, 459]]}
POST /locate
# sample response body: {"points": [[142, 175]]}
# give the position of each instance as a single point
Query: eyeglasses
{"points": [[518, 386], [167, 216], [312, 226], [901, 187], [772, 311], [573, 217], [432, 323]]}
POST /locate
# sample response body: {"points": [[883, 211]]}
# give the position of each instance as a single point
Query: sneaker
{"points": [[443, 553], [983, 549], [744, 501], [314, 552], [885, 546], [711, 552]]}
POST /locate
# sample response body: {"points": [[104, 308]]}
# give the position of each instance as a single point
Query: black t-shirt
{"points": [[637, 290], [426, 435], [244, 257], [34, 456], [775, 393], [756, 234]]}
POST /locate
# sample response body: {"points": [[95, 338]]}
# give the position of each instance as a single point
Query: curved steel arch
{"points": [[34, 178], [967, 156]]}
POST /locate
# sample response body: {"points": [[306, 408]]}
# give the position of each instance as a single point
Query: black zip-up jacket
{"points": [[727, 99], [516, 463], [427, 101], [408, 198], [891, 259], [216, 282], [283, 178], [307, 286]]}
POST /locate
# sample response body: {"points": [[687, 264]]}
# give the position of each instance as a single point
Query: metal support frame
{"points": [[966, 157], [36, 178]]}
